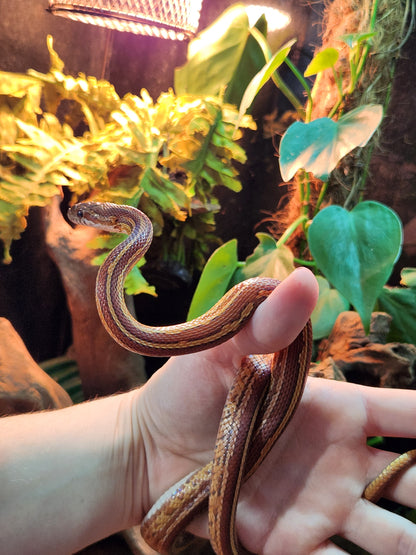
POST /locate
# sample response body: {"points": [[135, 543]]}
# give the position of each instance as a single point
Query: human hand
{"points": [[310, 486]]}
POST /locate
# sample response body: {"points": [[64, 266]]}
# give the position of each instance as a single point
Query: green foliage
{"points": [[325, 59], [165, 157], [330, 304], [259, 80], [356, 251], [224, 55], [215, 279], [319, 145], [223, 270], [400, 303]]}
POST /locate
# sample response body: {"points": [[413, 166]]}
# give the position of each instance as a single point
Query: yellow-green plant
{"points": [[165, 157]]}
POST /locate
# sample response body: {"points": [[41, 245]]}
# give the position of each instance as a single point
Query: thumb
{"points": [[277, 321]]}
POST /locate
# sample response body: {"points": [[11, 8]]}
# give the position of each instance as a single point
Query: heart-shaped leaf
{"points": [[318, 146], [267, 260], [322, 60], [356, 251]]}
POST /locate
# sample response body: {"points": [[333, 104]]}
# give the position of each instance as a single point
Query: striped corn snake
{"points": [[260, 404]]}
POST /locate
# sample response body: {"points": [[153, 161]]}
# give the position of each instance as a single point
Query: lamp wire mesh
{"points": [[170, 19]]}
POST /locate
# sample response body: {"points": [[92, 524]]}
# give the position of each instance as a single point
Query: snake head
{"points": [[101, 215]]}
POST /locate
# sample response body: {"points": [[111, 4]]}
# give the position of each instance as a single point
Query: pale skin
{"points": [[71, 477]]}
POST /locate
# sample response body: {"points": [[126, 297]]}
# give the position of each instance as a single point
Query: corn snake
{"points": [[261, 402]]}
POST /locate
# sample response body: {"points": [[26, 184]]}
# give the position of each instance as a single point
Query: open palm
{"points": [[310, 486]]}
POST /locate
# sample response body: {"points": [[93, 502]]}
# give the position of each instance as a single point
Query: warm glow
{"points": [[166, 19], [276, 19]]}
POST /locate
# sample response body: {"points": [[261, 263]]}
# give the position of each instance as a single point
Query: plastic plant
{"points": [[352, 251]]}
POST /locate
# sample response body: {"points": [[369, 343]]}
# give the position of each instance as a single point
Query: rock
{"points": [[24, 386]]}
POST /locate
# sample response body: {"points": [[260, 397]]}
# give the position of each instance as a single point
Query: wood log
{"points": [[24, 386]]}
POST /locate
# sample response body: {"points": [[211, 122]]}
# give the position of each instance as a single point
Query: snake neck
{"points": [[219, 323], [110, 298]]}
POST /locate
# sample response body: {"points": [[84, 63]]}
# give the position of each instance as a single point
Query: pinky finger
{"points": [[379, 531]]}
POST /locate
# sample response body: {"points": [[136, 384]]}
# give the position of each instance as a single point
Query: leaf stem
{"points": [[321, 196], [291, 229], [281, 85], [304, 84], [303, 262]]}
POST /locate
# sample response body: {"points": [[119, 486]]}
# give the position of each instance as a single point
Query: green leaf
{"points": [[330, 304], [400, 303], [318, 146], [213, 56], [251, 61], [354, 39], [325, 59], [267, 260], [261, 78], [135, 283], [408, 277], [168, 195], [215, 279], [356, 251]]}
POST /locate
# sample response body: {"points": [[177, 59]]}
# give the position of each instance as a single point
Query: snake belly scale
{"points": [[262, 400]]}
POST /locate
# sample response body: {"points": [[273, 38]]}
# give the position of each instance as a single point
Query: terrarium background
{"points": [[31, 295]]}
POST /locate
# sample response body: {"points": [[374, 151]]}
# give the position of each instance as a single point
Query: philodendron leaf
{"points": [[318, 146], [330, 304], [356, 251], [400, 303], [353, 39], [261, 78], [215, 279], [325, 59], [214, 55], [267, 260], [223, 270]]}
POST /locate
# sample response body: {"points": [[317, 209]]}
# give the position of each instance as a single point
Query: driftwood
{"points": [[24, 386], [350, 354], [104, 366]]}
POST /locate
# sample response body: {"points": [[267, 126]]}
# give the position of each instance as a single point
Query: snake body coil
{"points": [[264, 396]]}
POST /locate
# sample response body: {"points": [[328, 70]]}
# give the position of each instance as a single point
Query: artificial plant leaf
{"points": [[135, 282], [213, 56], [267, 260], [330, 304], [251, 61], [400, 303], [215, 279], [261, 78], [55, 61], [318, 146], [168, 195], [324, 59], [356, 251], [12, 224]]}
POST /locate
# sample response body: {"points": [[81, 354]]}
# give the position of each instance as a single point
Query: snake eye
{"points": [[80, 213]]}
